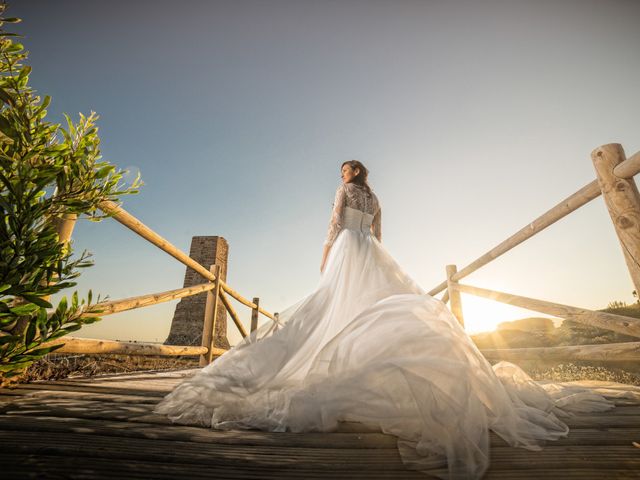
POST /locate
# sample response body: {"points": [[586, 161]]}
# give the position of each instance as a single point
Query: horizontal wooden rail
{"points": [[607, 321], [116, 306], [626, 169], [92, 345], [135, 225], [608, 352], [131, 303], [562, 209], [629, 168]]}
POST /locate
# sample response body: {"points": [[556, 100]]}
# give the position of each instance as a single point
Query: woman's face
{"points": [[348, 173]]}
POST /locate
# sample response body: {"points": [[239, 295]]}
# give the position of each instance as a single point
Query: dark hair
{"points": [[360, 178]]}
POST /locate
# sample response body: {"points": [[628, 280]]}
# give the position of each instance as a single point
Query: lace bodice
{"points": [[354, 208]]}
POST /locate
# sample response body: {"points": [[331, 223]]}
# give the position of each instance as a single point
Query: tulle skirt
{"points": [[369, 345]]}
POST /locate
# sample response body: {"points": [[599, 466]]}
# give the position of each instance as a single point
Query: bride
{"points": [[369, 345]]}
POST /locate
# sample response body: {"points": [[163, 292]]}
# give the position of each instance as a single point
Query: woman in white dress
{"points": [[370, 345]]}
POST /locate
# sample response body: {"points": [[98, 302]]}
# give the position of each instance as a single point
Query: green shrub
{"points": [[47, 174]]}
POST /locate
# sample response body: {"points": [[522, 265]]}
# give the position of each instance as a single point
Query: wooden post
{"points": [[623, 202], [254, 314], [64, 225], [445, 297], [210, 314], [454, 295]]}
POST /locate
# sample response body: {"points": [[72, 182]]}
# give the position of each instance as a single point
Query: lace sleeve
{"points": [[336, 222], [376, 225]]}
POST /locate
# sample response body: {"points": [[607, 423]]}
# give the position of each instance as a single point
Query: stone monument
{"points": [[188, 319]]}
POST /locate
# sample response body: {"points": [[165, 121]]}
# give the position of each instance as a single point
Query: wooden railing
{"points": [[217, 290], [616, 184], [614, 181]]}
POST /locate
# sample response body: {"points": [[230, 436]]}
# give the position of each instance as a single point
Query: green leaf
{"points": [[104, 171], [26, 70], [41, 302], [44, 350], [26, 309], [4, 339], [5, 97], [62, 307], [30, 333]]}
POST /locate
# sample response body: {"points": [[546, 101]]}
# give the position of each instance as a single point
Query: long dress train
{"points": [[370, 345]]}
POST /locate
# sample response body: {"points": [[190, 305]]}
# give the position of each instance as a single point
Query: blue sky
{"points": [[473, 117]]}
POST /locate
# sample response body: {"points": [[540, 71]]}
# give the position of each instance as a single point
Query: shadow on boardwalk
{"points": [[103, 427]]}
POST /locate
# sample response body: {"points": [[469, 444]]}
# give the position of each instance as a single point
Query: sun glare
{"points": [[483, 315]]}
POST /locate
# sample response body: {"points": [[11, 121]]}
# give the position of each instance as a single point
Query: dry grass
{"points": [[567, 372], [58, 366], [54, 367]]}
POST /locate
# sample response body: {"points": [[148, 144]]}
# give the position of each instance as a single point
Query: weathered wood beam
{"points": [[629, 167], [135, 225], [131, 303], [615, 352], [93, 345], [607, 321], [622, 199], [233, 314], [562, 209], [210, 316]]}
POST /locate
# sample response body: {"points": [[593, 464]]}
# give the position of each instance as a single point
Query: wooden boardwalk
{"points": [[104, 428]]}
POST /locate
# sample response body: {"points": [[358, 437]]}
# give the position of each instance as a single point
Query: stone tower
{"points": [[188, 319]]}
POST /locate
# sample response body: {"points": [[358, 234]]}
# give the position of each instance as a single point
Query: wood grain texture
{"points": [[607, 321], [132, 223], [562, 209], [105, 428], [623, 202]]}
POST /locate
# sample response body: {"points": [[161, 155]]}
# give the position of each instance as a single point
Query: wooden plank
{"points": [[75, 445], [566, 457], [27, 395], [502, 458], [197, 434], [48, 466], [622, 410], [586, 436], [603, 436], [97, 409], [567, 474], [95, 389], [602, 421], [87, 409]]}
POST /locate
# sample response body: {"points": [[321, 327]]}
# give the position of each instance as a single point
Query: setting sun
{"points": [[483, 315]]}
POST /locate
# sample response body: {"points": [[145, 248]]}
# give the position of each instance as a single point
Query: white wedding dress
{"points": [[369, 345]]}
